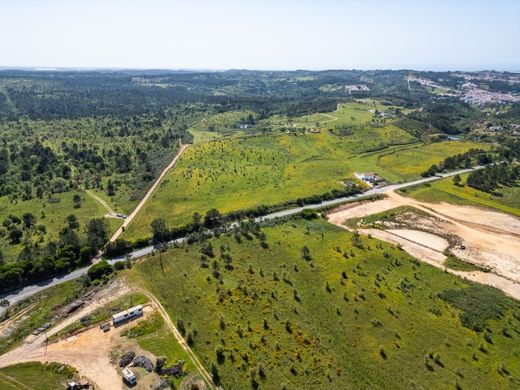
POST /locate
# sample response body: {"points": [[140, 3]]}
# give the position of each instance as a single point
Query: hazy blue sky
{"points": [[281, 34]]}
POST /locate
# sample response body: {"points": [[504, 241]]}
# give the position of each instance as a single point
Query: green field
{"points": [[445, 191], [35, 376], [51, 215], [357, 313], [216, 126], [242, 173]]}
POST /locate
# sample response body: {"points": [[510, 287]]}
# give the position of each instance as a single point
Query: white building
{"points": [[129, 376], [126, 315]]}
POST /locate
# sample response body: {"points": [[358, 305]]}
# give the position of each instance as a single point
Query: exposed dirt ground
{"points": [[89, 352], [491, 239], [92, 351]]}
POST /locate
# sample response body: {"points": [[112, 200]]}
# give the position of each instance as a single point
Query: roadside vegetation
{"points": [[317, 306]]}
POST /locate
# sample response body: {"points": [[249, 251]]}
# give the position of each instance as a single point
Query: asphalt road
{"points": [[18, 295]]}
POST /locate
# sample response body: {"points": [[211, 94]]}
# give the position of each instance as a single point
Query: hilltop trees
{"points": [[490, 178]]}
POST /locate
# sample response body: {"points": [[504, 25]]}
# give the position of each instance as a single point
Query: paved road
{"points": [[18, 295]]}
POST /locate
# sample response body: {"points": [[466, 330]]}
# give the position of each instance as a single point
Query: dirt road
{"points": [[110, 213], [181, 341], [90, 351], [491, 239], [148, 194]]}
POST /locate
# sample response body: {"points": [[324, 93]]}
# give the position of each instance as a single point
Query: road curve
{"points": [[18, 295]]}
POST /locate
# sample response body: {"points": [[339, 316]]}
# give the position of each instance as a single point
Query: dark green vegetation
{"points": [[37, 262], [35, 376], [311, 305], [457, 264]]}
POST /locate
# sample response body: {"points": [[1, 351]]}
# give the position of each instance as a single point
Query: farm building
{"points": [[126, 315], [368, 177]]}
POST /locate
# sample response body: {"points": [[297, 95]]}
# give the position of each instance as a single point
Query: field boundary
{"points": [[180, 339], [148, 194]]}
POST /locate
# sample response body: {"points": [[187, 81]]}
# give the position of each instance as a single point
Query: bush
{"points": [[119, 265], [478, 304], [97, 271]]}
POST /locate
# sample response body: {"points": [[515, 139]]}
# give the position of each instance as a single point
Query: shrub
{"points": [[98, 270]]}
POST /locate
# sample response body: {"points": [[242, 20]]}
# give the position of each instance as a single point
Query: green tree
{"points": [[457, 180], [15, 235], [29, 220], [72, 221], [159, 230], [98, 270], [97, 233], [77, 201], [212, 219]]}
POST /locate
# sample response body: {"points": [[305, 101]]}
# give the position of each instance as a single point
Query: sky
{"points": [[262, 34]]}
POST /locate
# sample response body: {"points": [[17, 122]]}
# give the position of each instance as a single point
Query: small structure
{"points": [[244, 126], [82, 384], [369, 178], [126, 315], [105, 327], [72, 307], [129, 376]]}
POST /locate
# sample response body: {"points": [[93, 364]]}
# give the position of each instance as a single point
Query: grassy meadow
{"points": [[446, 191], [35, 376], [50, 214], [240, 173], [350, 313], [216, 126]]}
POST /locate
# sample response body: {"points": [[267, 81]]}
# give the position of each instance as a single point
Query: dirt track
{"points": [[90, 351], [492, 239], [148, 194]]}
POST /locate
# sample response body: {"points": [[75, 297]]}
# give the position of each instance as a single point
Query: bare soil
{"points": [[491, 239]]}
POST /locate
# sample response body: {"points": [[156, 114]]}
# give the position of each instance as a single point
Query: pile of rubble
{"points": [[143, 362], [126, 359]]}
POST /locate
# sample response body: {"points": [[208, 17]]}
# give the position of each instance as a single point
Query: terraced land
{"points": [[349, 312]]}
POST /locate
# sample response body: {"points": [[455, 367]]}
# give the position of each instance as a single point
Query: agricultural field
{"points": [[507, 199], [242, 173], [319, 307], [35, 376]]}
